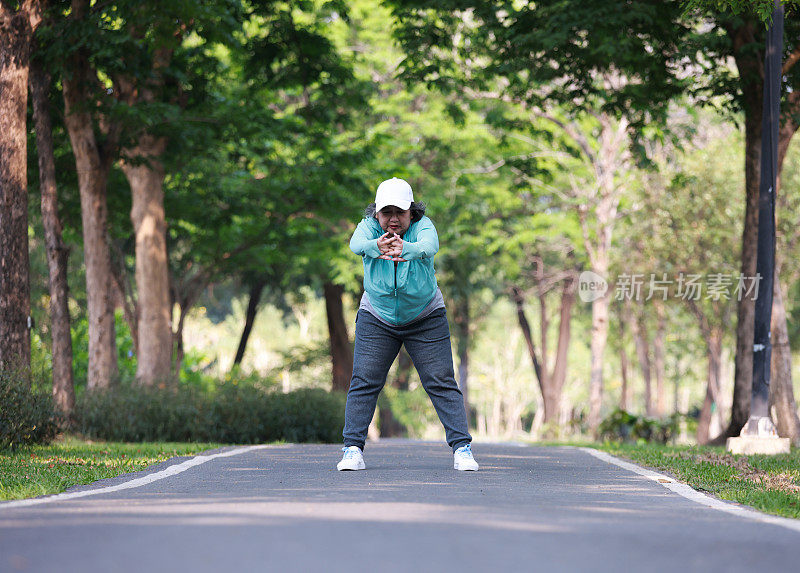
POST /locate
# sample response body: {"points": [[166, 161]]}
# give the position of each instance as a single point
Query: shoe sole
{"points": [[360, 466], [470, 469]]}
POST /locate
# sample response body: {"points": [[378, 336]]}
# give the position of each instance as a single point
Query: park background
{"points": [[210, 160]]}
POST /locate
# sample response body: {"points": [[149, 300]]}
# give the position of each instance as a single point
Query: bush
{"points": [[412, 409], [231, 414], [622, 426], [27, 415]]}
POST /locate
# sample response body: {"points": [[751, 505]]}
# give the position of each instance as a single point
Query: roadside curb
{"points": [[692, 494]]}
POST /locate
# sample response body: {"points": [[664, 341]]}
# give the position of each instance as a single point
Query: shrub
{"points": [[622, 426], [231, 414], [128, 414], [27, 415], [411, 408], [311, 415]]}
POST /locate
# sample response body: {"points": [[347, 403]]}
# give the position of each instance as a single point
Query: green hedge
{"points": [[27, 415], [622, 426], [231, 414]]}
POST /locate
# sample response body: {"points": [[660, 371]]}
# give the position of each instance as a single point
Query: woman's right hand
{"points": [[385, 242], [391, 247]]}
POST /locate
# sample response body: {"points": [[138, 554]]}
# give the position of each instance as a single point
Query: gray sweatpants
{"points": [[427, 341]]}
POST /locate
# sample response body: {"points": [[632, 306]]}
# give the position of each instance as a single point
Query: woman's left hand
{"points": [[395, 250]]}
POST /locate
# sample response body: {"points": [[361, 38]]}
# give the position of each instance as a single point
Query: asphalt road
{"points": [[286, 508]]}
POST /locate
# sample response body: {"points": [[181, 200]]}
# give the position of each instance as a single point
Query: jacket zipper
{"points": [[395, 292]]}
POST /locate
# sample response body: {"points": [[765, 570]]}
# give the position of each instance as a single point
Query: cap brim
{"points": [[404, 205]]}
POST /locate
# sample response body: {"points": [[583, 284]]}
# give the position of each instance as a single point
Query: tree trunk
{"points": [[609, 165], [341, 351], [749, 62], [541, 373], [559, 374], [658, 359], [461, 322], [519, 301], [551, 384], [623, 367], [598, 346], [391, 427], [639, 330], [714, 352], [184, 295], [92, 166], [781, 389], [124, 292], [704, 419], [404, 365], [177, 340], [57, 252], [252, 308], [16, 34], [145, 175], [743, 376]]}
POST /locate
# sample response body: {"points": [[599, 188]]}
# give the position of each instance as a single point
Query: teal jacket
{"points": [[398, 291]]}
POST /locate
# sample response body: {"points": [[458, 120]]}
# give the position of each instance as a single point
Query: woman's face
{"points": [[395, 219]]}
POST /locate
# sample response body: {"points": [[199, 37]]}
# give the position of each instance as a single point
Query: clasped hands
{"points": [[391, 247]]}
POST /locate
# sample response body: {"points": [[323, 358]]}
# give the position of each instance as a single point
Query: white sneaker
{"points": [[463, 460], [352, 459]]}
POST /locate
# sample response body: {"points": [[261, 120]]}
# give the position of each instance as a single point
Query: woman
{"points": [[402, 305]]}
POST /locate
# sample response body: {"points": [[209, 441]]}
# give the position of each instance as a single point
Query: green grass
{"points": [[767, 483], [42, 470]]}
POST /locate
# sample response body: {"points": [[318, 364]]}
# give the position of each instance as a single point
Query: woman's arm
{"points": [[427, 243], [363, 242]]}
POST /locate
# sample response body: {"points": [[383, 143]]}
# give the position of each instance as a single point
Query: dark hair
{"points": [[417, 211]]}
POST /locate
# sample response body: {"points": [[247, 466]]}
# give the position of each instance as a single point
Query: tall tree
{"points": [[551, 381], [736, 30], [57, 252], [17, 26], [642, 344], [95, 150], [143, 83], [145, 174], [254, 296], [341, 352]]}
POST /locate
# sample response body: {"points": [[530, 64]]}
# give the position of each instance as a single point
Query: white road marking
{"points": [[691, 494], [138, 482]]}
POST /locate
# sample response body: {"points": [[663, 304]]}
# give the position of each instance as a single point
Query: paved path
{"points": [[286, 508]]}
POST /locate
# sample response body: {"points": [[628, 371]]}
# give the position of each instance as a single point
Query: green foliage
{"points": [[614, 55], [233, 414], [126, 360], [27, 415], [411, 408], [760, 8], [622, 426]]}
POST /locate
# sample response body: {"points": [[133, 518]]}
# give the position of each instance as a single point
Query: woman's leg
{"points": [[428, 344], [376, 348]]}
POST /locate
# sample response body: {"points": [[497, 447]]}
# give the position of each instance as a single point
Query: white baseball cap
{"points": [[395, 192]]}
